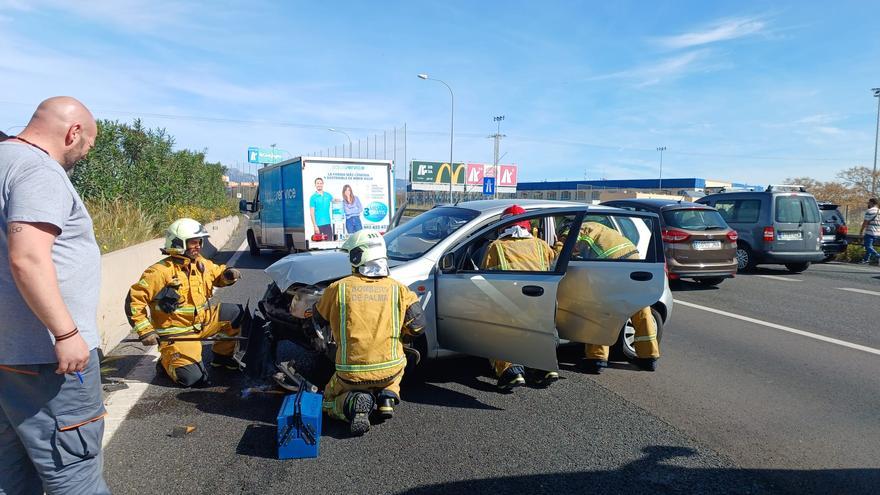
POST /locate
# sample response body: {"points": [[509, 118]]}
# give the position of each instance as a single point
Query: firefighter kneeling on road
{"points": [[172, 300], [517, 249], [367, 312], [597, 241]]}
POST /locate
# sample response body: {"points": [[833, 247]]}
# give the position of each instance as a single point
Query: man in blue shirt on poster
{"points": [[319, 205]]}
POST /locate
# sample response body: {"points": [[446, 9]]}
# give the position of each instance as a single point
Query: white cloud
{"points": [[667, 69], [723, 30]]}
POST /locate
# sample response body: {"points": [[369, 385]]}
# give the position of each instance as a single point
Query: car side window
{"points": [[739, 210], [531, 245], [609, 237]]}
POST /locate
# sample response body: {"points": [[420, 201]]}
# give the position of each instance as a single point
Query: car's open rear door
{"points": [[599, 291]]}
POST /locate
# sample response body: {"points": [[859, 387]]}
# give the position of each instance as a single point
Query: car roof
{"points": [[665, 204], [492, 206]]}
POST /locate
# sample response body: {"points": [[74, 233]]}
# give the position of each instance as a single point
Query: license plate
{"points": [[828, 238], [706, 245], [791, 236]]}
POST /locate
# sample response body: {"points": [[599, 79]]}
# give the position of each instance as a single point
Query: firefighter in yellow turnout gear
{"points": [[517, 249], [368, 313], [597, 241], [172, 299]]}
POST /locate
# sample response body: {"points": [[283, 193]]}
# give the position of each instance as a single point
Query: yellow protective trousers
{"points": [[645, 341], [499, 367], [337, 390], [178, 354]]}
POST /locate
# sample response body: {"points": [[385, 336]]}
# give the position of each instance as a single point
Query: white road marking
{"points": [[776, 277], [119, 403], [795, 331], [861, 291], [238, 253], [850, 267]]}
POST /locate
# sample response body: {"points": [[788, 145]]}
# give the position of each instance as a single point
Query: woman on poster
{"points": [[353, 209]]}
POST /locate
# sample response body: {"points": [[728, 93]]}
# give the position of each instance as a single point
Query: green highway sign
{"points": [[266, 156]]}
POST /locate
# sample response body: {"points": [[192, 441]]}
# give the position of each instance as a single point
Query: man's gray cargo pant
{"points": [[51, 427]]}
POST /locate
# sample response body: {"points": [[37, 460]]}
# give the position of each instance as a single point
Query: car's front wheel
{"points": [[625, 345]]}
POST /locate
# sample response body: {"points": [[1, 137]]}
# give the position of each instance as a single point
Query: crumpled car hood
{"points": [[309, 268], [313, 267]]}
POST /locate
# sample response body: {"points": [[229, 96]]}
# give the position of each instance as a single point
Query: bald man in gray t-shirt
{"points": [[51, 407]]}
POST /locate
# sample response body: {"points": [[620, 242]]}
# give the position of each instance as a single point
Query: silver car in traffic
{"points": [[518, 316]]}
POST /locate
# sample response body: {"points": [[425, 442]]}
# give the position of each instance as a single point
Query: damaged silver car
{"points": [[518, 316]]}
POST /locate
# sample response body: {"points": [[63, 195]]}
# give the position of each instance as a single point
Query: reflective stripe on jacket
{"points": [[524, 254], [197, 280], [603, 242]]}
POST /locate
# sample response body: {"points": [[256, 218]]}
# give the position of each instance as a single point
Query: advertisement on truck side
{"points": [[343, 198]]}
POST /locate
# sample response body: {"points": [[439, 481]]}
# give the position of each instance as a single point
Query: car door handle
{"points": [[641, 276], [533, 290]]}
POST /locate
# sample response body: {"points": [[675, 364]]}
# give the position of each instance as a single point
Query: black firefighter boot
{"points": [[387, 401], [358, 407]]}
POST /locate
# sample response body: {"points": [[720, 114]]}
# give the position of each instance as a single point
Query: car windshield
{"points": [[694, 219], [417, 236]]}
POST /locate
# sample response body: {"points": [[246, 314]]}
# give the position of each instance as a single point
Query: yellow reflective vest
{"points": [[597, 241], [526, 254], [197, 280], [367, 316]]}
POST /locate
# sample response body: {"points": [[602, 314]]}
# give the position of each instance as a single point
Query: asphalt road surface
{"points": [[735, 407]]}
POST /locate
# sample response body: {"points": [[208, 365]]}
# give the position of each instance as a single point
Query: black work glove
{"points": [[232, 274], [168, 299]]}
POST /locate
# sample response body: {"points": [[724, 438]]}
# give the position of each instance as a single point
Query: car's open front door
{"points": [[616, 268], [509, 313]]}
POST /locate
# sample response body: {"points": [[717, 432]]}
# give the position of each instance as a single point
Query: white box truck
{"points": [[310, 203]]}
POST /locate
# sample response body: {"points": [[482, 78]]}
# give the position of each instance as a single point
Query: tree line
{"points": [[138, 165], [851, 187]]}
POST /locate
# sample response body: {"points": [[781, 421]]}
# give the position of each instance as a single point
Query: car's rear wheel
{"points": [[797, 267], [624, 348], [253, 248], [712, 281], [745, 258]]}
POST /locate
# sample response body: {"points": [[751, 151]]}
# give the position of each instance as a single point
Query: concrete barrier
{"points": [[122, 268]]}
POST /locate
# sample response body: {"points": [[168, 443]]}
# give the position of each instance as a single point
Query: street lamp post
{"points": [[876, 136], [497, 137], [349, 140], [451, 129], [661, 149]]}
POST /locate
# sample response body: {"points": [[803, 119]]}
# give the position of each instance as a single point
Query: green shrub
{"points": [[135, 184], [854, 252], [139, 166]]}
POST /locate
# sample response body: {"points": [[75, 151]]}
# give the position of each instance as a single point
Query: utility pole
{"points": [[661, 149], [876, 136], [497, 119]]}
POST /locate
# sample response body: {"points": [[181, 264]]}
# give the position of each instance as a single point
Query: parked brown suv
{"points": [[699, 244]]}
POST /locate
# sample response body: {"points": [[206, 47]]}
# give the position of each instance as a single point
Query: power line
{"points": [[525, 139]]}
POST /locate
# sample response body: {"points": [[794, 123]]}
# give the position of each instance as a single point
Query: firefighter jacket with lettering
{"points": [[192, 280], [366, 316]]}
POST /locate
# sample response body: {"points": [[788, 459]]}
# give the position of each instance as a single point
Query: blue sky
{"points": [[747, 91]]}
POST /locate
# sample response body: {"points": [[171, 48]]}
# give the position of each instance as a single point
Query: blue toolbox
{"points": [[299, 425]]}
